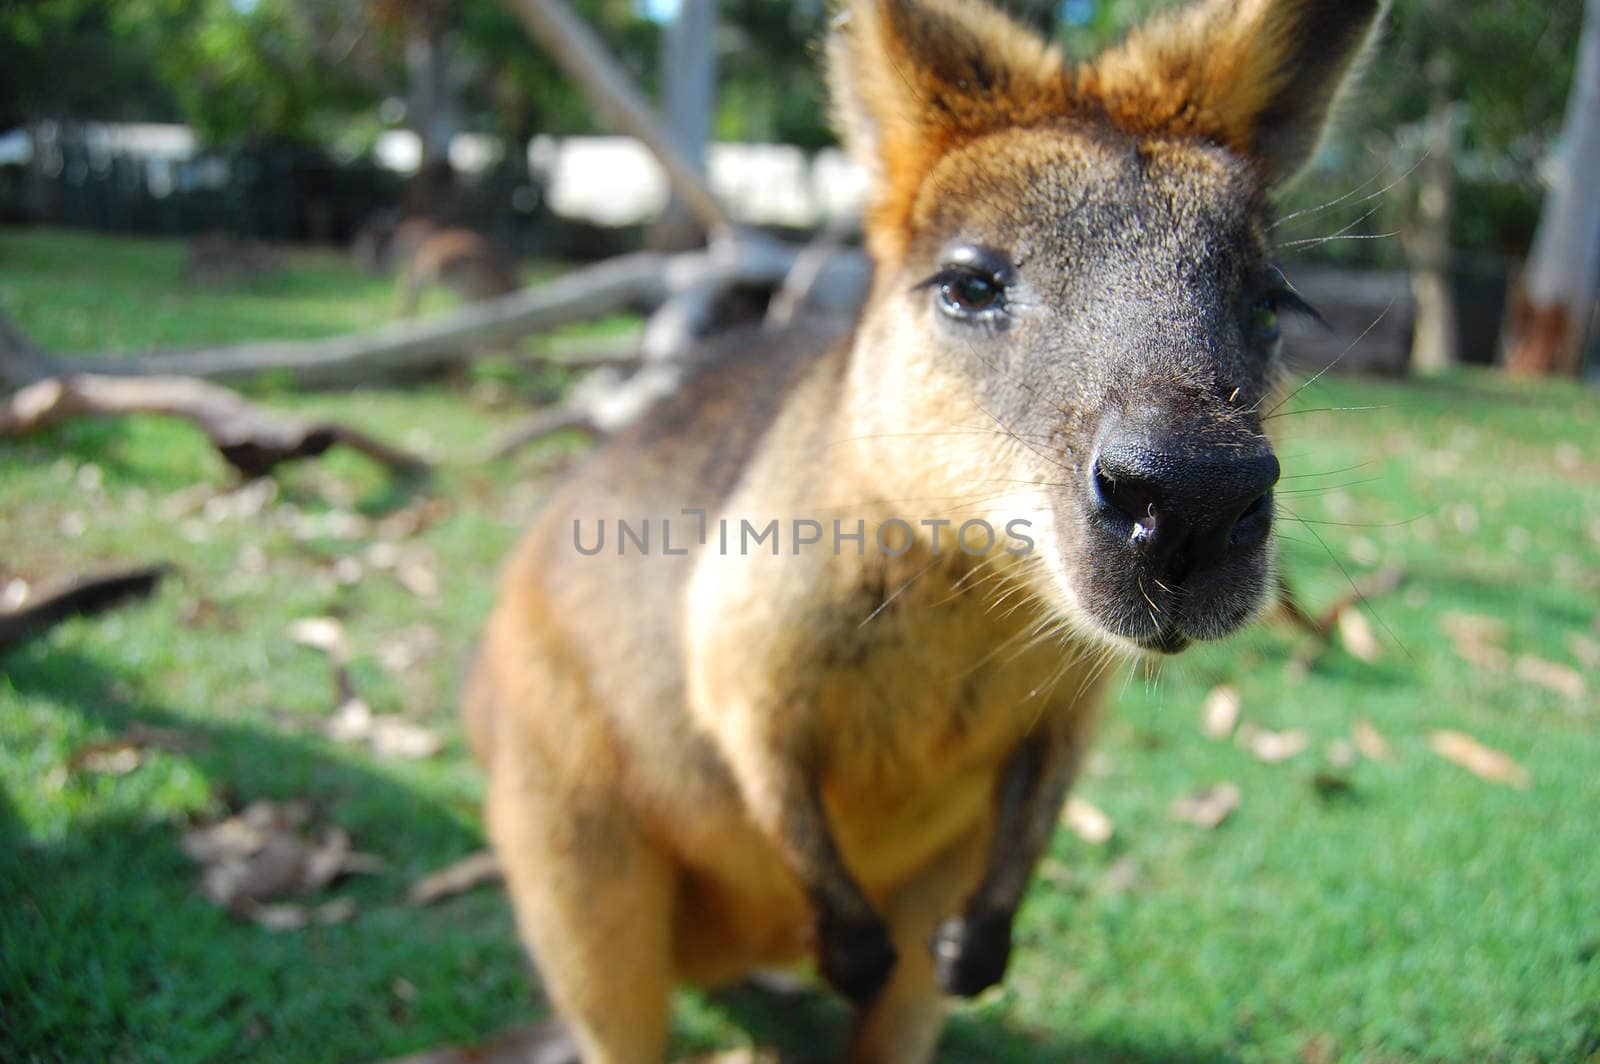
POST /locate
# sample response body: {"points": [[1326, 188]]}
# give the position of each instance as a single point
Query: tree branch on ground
{"points": [[460, 337], [250, 438], [43, 392], [84, 598], [832, 280], [407, 347]]}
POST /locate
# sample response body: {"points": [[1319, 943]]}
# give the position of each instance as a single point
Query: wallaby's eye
{"points": [[1264, 316], [965, 292], [971, 286], [1265, 310]]}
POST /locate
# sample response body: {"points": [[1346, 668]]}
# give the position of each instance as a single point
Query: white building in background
{"points": [[604, 180], [615, 181]]}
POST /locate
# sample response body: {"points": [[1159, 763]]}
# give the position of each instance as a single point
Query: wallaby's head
{"points": [[1075, 284]]}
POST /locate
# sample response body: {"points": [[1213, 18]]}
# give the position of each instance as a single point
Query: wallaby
{"points": [[467, 263], [706, 757]]}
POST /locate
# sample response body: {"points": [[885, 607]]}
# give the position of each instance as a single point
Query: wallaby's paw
{"points": [[855, 956], [970, 953]]}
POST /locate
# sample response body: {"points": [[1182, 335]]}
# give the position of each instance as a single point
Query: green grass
{"points": [[1421, 915]]}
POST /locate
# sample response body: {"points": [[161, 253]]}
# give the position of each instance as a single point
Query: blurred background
{"points": [[305, 305], [305, 121]]}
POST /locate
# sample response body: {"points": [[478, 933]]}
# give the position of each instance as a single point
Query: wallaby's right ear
{"points": [[911, 79], [1260, 76]]}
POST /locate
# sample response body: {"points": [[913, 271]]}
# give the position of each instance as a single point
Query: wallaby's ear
{"points": [[1258, 75], [910, 79]]}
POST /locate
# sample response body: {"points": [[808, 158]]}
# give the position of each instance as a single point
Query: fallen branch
{"points": [[540, 425], [252, 439], [805, 283], [21, 363], [82, 599], [361, 358], [821, 277]]}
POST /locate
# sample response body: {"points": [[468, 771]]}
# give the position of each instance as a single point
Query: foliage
{"points": [[47, 48], [307, 70]]}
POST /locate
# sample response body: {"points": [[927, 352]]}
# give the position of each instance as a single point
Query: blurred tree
{"points": [[1555, 299], [770, 88], [42, 40], [688, 98]]}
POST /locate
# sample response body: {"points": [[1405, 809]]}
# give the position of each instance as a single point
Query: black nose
{"points": [[1185, 502]]}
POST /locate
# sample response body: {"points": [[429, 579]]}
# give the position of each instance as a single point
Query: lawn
{"points": [[1399, 909]]}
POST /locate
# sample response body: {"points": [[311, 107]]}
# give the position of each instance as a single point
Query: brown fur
{"points": [[705, 762], [1240, 73]]}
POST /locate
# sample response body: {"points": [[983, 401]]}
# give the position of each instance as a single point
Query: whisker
{"points": [[1360, 598], [1323, 410], [1371, 195], [1323, 372], [1318, 241], [897, 593]]}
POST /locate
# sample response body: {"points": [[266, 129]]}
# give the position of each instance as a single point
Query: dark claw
{"points": [[855, 956], [970, 952]]}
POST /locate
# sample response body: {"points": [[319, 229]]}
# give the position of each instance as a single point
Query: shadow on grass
{"points": [[111, 952], [809, 1026]]}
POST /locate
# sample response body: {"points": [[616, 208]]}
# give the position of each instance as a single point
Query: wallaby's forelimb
{"points": [[854, 951], [971, 950]]}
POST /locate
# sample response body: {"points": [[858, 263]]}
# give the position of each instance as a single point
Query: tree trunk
{"points": [[689, 80], [1434, 337], [1553, 303], [578, 52], [433, 111]]}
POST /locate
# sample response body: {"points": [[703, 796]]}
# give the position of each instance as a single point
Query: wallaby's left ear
{"points": [[1261, 76], [912, 79]]}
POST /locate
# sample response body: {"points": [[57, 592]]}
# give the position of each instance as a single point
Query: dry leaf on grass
{"points": [[1341, 754], [1087, 822], [322, 633], [351, 722], [1584, 649], [1207, 807], [458, 878], [389, 735], [1476, 639], [120, 756], [1355, 632], [15, 594], [260, 854], [410, 647], [1472, 627], [1563, 680], [1121, 876], [333, 524], [1220, 712], [1482, 761], [417, 571], [404, 740], [537, 1043], [1368, 740], [1272, 747]]}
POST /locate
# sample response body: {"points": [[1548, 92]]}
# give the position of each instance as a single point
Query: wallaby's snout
{"points": [[1181, 499], [1178, 514]]}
